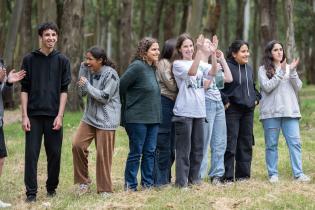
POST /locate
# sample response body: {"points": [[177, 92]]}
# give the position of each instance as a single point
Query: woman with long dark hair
{"points": [[165, 151], [279, 109], [99, 81], [189, 110], [240, 98], [141, 113]]}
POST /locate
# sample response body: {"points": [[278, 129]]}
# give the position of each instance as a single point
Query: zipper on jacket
{"points": [[247, 80]]}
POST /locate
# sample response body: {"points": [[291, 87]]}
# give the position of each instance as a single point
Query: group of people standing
{"points": [[174, 105]]}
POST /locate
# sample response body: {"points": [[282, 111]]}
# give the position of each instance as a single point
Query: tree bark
{"points": [[46, 11], [183, 24], [247, 18], [240, 19], [256, 37], [195, 18], [268, 21], [142, 18], [157, 17], [169, 20], [11, 37], [213, 17], [290, 39], [3, 21], [125, 26], [71, 46]]}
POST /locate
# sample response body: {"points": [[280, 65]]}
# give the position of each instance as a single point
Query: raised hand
{"points": [[220, 55], [16, 76], [215, 42], [200, 42], [294, 63]]}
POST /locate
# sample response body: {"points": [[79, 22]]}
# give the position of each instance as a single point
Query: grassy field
{"points": [[254, 194]]}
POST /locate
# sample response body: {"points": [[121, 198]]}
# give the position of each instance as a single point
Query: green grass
{"points": [[254, 194]]}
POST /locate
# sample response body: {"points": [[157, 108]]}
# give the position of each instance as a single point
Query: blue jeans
{"points": [[291, 131], [142, 145], [165, 148], [215, 136]]}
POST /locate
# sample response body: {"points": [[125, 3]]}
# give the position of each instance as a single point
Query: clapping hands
{"points": [[292, 66], [206, 46]]}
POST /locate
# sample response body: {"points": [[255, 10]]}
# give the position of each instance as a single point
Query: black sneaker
{"points": [[30, 199], [51, 194]]}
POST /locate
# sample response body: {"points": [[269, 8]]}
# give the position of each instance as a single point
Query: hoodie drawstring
{"points": [[239, 72], [247, 81]]}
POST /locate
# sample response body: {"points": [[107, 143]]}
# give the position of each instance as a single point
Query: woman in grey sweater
{"points": [[99, 81], [279, 109]]}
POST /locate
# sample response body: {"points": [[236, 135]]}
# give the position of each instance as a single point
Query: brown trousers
{"points": [[104, 142]]}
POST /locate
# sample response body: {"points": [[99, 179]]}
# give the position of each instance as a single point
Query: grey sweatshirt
{"points": [[103, 105], [279, 94]]}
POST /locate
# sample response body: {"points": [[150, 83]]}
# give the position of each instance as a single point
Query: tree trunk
{"points": [[256, 38], [157, 17], [268, 21], [71, 46], [169, 20], [142, 18], [290, 40], [183, 24], [213, 17], [46, 11], [14, 25], [125, 26], [25, 43], [118, 36], [3, 11], [246, 20], [195, 18], [225, 22], [10, 45], [240, 19]]}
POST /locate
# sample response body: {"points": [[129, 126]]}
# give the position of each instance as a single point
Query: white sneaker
{"points": [[274, 179], [83, 189], [4, 205], [105, 194], [303, 178]]}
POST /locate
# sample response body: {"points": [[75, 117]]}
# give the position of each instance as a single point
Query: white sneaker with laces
{"points": [[274, 179], [4, 205], [303, 178]]}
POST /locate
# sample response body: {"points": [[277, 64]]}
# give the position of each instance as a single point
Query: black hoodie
{"points": [[46, 78], [242, 90]]}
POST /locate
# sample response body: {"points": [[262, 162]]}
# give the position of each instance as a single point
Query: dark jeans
{"points": [[42, 125], [239, 121], [142, 145], [165, 148], [189, 142]]}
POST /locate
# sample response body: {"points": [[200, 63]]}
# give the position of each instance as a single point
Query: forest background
{"points": [[117, 26]]}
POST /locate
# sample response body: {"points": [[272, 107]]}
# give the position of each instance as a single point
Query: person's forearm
{"points": [[24, 100], [194, 67], [62, 105], [214, 69], [227, 72]]}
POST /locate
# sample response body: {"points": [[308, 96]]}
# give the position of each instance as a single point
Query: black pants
{"points": [[52, 140], [189, 141], [239, 121]]}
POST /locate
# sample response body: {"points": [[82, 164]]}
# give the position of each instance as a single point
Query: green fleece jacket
{"points": [[140, 94]]}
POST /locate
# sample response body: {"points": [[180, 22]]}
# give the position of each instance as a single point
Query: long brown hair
{"points": [[178, 55], [267, 60]]}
